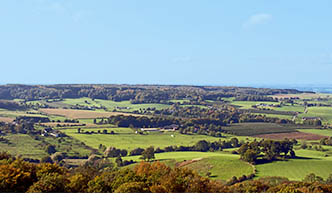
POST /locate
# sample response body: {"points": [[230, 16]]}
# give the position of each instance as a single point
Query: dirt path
{"points": [[187, 162]]}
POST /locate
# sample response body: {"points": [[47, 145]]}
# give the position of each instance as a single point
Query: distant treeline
{"points": [[133, 93], [10, 105]]}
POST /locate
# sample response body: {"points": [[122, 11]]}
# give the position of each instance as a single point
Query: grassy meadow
{"points": [[126, 138], [310, 161], [221, 165]]}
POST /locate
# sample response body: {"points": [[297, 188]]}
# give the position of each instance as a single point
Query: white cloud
{"points": [[257, 19]]}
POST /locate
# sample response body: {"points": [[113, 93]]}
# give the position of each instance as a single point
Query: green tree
{"points": [[148, 154]]}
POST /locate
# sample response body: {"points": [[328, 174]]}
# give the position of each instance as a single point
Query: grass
{"points": [[325, 113], [222, 166], [297, 169], [303, 95], [28, 147], [112, 104], [249, 104], [323, 132], [125, 138], [80, 114], [13, 114], [22, 144], [275, 116]]}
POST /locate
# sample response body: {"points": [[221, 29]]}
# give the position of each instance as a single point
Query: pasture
{"points": [[296, 169], [126, 138], [22, 144], [325, 113], [302, 95], [323, 132], [27, 146], [124, 106], [221, 166], [81, 114]]}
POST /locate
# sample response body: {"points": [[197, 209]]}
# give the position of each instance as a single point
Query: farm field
{"points": [[253, 129], [111, 105], [285, 107], [303, 95], [28, 147], [249, 104], [80, 114], [325, 113], [6, 119], [297, 169], [275, 116], [292, 135], [323, 132], [13, 114], [125, 138], [22, 144], [221, 166], [290, 108]]}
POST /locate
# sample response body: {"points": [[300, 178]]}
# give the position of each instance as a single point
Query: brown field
{"points": [[292, 135], [6, 119], [81, 114]]}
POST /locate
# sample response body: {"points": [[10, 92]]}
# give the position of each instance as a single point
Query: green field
{"points": [[220, 165], [126, 138], [297, 169], [325, 113], [28, 147], [125, 106], [24, 145], [249, 104], [275, 116], [14, 114], [324, 132]]}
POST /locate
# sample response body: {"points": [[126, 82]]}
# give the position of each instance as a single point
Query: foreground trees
{"points": [[19, 176], [266, 150]]}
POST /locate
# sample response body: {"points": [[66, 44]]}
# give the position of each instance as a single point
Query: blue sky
{"points": [[197, 42]]}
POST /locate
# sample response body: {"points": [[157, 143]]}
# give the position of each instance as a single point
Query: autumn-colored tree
{"points": [[133, 187], [50, 183], [78, 183], [16, 176]]}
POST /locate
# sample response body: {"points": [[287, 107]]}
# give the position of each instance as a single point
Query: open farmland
{"points": [[296, 169], [125, 138], [325, 113], [323, 132], [6, 119], [221, 166], [302, 95], [81, 114], [124, 106], [292, 135], [24, 145], [252, 129]]}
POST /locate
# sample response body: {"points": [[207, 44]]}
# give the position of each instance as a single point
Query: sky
{"points": [[193, 42]]}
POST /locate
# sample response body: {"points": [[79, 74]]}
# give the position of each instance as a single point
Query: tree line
{"points": [[135, 93]]}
